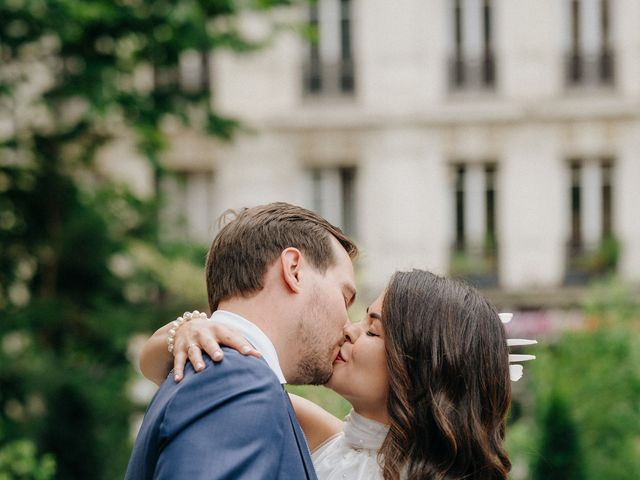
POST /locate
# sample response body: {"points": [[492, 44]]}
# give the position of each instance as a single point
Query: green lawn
{"points": [[327, 399]]}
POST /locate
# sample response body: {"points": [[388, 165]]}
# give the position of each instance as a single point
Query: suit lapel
{"points": [[300, 440]]}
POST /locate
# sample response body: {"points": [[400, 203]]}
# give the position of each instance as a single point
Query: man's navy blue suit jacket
{"points": [[231, 421]]}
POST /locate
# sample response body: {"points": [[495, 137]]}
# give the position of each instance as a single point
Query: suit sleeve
{"points": [[224, 423]]}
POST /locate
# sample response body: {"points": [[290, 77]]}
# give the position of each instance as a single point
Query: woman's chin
{"points": [[333, 383]]}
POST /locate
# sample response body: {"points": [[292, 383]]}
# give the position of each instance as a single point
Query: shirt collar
{"points": [[361, 432], [254, 335]]}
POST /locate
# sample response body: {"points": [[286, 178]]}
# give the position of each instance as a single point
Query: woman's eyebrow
{"points": [[375, 315]]}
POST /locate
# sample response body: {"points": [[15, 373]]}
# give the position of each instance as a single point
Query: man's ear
{"points": [[291, 262]]}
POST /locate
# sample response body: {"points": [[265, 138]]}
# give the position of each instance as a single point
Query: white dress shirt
{"points": [[254, 336]]}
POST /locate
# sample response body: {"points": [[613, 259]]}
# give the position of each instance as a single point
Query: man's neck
{"points": [[271, 322]]}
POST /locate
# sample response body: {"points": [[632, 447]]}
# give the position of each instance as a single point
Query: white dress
{"points": [[353, 453]]}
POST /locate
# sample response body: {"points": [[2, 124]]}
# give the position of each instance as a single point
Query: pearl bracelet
{"points": [[177, 323]]}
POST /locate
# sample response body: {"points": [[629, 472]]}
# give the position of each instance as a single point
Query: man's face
{"points": [[320, 330]]}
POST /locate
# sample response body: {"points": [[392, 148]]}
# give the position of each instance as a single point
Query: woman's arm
{"points": [[155, 359], [190, 340], [317, 424]]}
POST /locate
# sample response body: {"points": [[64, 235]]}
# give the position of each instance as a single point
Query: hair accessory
{"points": [[515, 369], [177, 323]]}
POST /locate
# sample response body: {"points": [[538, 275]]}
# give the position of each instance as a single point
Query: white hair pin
{"points": [[515, 369]]}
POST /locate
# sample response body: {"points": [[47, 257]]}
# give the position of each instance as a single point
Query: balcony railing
{"points": [[590, 70], [478, 266], [585, 264], [472, 74], [330, 79]]}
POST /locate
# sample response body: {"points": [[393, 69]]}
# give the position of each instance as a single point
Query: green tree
{"points": [[81, 265], [560, 455], [18, 461], [596, 371]]}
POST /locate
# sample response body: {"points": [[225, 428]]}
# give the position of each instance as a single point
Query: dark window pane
{"points": [[575, 26], [607, 199], [490, 178], [576, 229], [457, 27], [459, 207], [348, 178]]}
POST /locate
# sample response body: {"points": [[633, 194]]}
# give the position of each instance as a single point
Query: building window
{"points": [[188, 211], [329, 66], [472, 59], [194, 69], [475, 247], [589, 60], [332, 194], [592, 247], [190, 74]]}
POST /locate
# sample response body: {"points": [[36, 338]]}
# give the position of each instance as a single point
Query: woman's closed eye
{"points": [[373, 320]]}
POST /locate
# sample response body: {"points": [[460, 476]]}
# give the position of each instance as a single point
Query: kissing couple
{"points": [[426, 370]]}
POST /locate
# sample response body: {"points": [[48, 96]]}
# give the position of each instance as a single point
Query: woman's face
{"points": [[360, 371]]}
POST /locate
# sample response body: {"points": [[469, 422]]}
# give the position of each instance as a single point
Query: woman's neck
{"points": [[377, 414]]}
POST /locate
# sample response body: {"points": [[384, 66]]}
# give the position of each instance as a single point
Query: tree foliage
{"points": [[595, 373], [18, 461], [560, 454], [81, 265]]}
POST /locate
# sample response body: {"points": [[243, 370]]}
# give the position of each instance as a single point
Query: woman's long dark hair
{"points": [[449, 389]]}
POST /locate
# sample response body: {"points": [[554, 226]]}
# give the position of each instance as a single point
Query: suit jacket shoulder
{"points": [[230, 421], [244, 382]]}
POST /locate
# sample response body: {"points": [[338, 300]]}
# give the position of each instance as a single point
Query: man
{"points": [[283, 277]]}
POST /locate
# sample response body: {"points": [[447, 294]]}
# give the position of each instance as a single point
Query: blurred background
{"points": [[496, 141]]}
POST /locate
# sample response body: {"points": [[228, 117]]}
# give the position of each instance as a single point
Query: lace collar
{"points": [[363, 433]]}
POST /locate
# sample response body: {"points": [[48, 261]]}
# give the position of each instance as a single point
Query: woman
{"points": [[427, 375]]}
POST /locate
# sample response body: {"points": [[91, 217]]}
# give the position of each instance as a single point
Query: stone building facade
{"points": [[493, 139]]}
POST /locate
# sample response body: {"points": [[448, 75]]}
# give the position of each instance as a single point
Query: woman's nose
{"points": [[352, 332]]}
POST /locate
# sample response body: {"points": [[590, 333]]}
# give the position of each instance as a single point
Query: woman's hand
{"points": [[198, 335]]}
